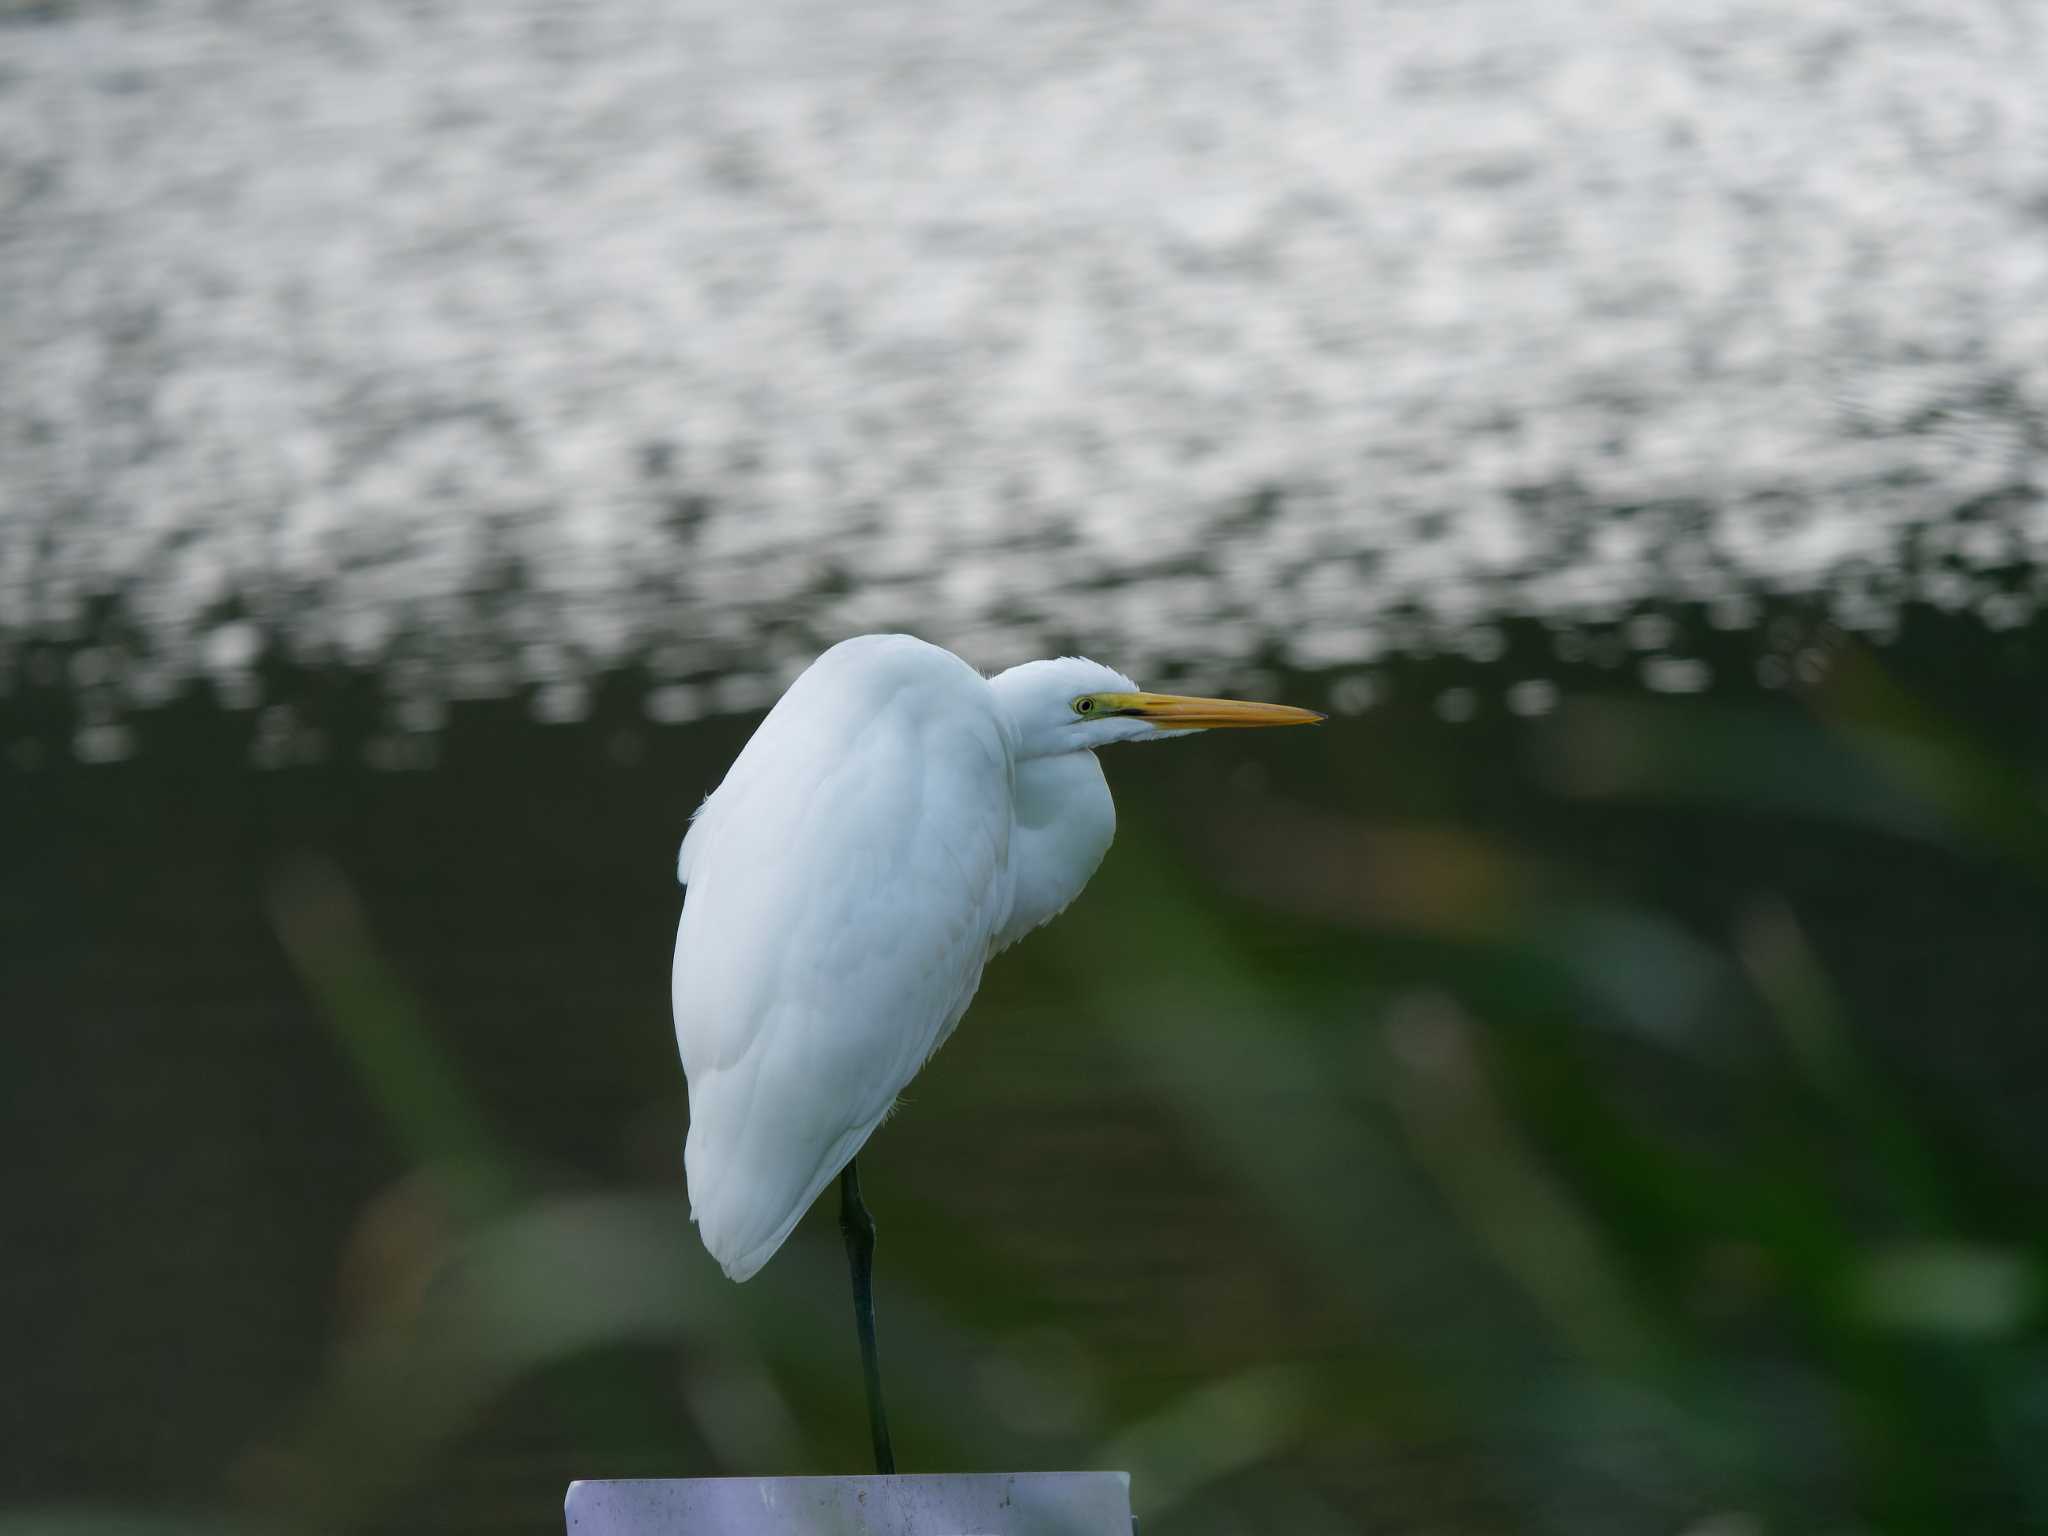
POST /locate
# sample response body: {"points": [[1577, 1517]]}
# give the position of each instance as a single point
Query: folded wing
{"points": [[845, 882]]}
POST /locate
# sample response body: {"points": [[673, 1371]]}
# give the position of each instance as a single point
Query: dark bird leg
{"points": [[858, 1228]]}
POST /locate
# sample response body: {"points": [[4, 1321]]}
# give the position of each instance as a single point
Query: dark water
{"points": [[1612, 1117]]}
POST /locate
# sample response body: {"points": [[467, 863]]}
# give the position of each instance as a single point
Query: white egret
{"points": [[895, 821]]}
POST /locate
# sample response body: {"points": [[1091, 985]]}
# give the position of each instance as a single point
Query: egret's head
{"points": [[1072, 704]]}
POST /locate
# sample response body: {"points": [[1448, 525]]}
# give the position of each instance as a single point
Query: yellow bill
{"points": [[1179, 712]]}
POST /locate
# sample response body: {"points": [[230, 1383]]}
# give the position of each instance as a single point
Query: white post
{"points": [[980, 1504]]}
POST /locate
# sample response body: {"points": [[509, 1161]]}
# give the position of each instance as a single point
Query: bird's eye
{"points": [[1084, 706]]}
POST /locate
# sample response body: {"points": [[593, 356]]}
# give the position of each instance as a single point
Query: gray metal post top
{"points": [[978, 1504]]}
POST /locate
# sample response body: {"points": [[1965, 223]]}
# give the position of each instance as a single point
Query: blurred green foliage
{"points": [[1625, 1118]]}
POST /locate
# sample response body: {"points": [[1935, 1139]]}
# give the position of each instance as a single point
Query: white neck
{"points": [[1064, 822]]}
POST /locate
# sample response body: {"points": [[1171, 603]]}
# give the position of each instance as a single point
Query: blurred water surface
{"points": [[1192, 333]]}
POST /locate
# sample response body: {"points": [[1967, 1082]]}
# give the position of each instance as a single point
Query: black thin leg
{"points": [[858, 1228]]}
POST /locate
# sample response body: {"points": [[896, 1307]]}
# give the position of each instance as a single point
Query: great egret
{"points": [[895, 821]]}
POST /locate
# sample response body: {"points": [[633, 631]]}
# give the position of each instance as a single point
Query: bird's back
{"points": [[844, 883]]}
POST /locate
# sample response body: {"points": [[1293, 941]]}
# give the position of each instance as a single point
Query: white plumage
{"points": [[895, 820]]}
